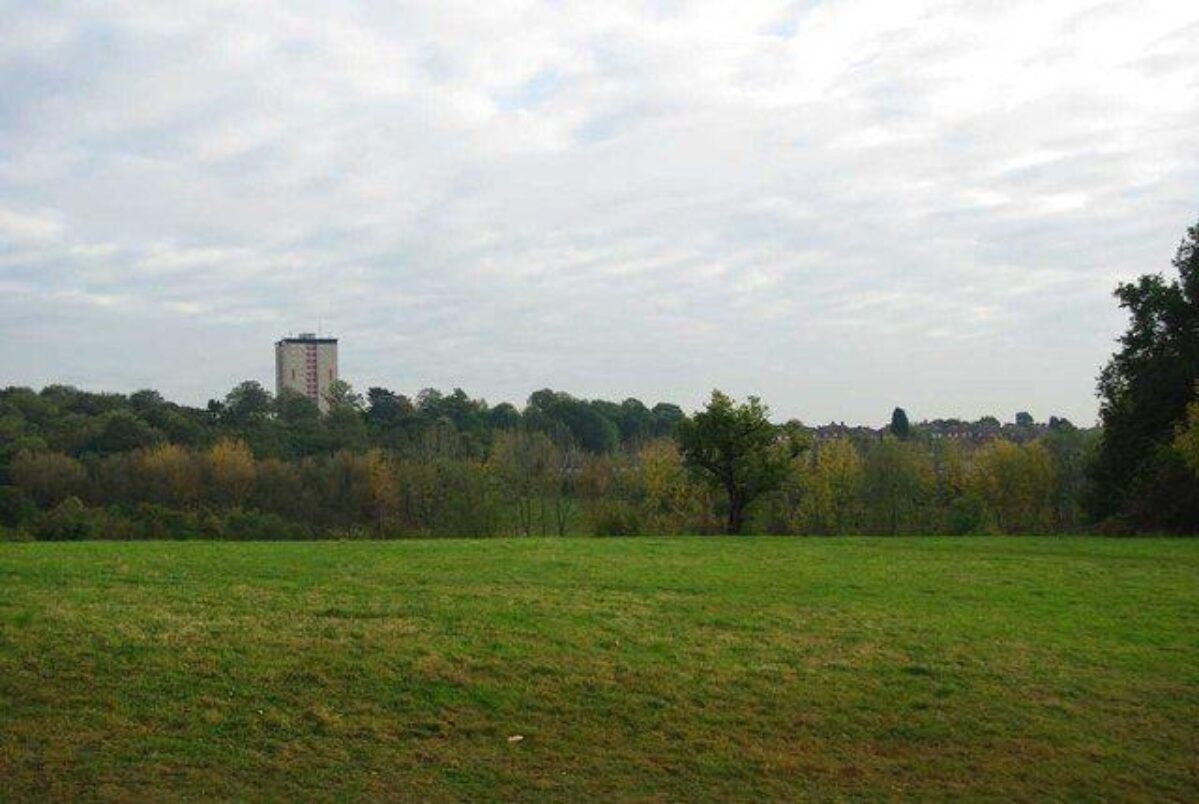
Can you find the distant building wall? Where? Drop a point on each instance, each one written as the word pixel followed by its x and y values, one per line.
pixel 307 365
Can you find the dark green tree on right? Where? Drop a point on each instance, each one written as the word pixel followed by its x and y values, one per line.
pixel 1138 475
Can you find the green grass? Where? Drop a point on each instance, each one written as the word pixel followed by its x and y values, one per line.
pixel 666 669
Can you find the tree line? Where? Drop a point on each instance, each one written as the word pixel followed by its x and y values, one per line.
pixel 78 465
pixel 75 464
pixel 83 424
pixel 528 484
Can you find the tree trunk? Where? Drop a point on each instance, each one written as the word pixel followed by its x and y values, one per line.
pixel 736 514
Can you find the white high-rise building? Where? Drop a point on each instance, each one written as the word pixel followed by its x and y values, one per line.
pixel 308 365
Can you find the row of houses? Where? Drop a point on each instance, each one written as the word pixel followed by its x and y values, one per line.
pixel 978 431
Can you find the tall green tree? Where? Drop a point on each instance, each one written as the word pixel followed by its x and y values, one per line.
pixel 119 431
pixel 1144 390
pixel 550 411
pixel 341 395
pixel 294 409
pixel 504 416
pixel 900 427
pixel 666 418
pixel 736 448
pixel 345 423
pixel 385 408
pixel 247 403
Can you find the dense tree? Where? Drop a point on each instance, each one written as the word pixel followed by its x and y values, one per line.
pixel 77 422
pixel 385 408
pixel 526 466
pixel 737 449
pixel 16 507
pixel 70 520
pixel 666 418
pixel 611 496
pixel 279 488
pixel 831 498
pixel 896 481
pixel 1017 483
pixel 17 436
pixel 671 503
pixel 636 422
pixel 141 467
pixel 232 472
pixel 554 411
pixel 342 396
pixel 1060 423
pixel 48 477
pixel 119 431
pixel 172 475
pixel 900 427
pixel 1144 390
pixel 504 416
pixel 146 401
pixel 248 402
pixel 178 425
pixel 1069 450
pixel 294 409
pixel 72 400
pixel 1186 441
pixel 29 406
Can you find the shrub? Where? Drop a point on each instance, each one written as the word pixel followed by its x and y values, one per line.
pixel 153 521
pixel 967 514
pixel 14 535
pixel 254 526
pixel 617 519
pixel 16 507
pixel 70 520
pixel 48 477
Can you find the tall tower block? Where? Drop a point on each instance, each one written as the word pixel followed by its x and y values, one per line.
pixel 307 365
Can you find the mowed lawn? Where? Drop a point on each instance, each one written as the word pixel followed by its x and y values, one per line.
pixel 664 669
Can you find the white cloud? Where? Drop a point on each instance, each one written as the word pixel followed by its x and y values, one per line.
pixel 23 228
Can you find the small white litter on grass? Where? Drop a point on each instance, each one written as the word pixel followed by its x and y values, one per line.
pixel 516 738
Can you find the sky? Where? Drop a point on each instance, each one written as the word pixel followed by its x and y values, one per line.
pixel 838 206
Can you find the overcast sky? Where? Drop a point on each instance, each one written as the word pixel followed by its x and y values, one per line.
pixel 840 206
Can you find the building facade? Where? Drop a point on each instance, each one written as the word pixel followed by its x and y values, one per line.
pixel 307 365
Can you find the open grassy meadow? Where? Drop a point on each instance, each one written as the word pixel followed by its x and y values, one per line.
pixel 664 669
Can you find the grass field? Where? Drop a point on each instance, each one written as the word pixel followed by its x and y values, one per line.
pixel 677 669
